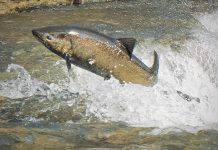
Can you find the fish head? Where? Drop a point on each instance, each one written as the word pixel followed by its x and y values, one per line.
pixel 54 39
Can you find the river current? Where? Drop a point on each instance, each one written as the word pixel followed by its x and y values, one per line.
pixel 37 91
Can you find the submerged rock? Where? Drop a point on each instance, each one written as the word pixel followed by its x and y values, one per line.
pixel 103 136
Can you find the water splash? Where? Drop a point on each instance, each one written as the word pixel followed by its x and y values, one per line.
pixel 161 105
pixel 193 72
pixel 209 21
pixel 22 86
pixel 25 86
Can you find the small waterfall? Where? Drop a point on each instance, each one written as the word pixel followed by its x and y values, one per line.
pixel 186 93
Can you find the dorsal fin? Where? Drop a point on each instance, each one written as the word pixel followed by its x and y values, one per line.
pixel 128 43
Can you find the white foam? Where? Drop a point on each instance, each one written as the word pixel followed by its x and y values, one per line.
pixel 73 33
pixel 160 105
pixel 209 21
pixel 194 72
pixel 22 86
pixel 25 86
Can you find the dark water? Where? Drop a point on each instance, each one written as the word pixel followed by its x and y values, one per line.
pixel 40 109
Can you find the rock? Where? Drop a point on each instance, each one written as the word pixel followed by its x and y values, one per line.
pixel 16 6
pixel 101 136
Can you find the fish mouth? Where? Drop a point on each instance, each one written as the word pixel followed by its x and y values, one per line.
pixel 38 35
pixel 34 32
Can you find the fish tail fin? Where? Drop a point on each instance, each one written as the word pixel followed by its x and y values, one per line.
pixel 155 66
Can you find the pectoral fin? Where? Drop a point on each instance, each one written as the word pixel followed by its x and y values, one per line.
pixel 107 77
pixel 68 63
pixel 129 44
pixel 155 65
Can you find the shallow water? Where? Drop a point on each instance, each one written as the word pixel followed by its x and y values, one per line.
pixel 40 102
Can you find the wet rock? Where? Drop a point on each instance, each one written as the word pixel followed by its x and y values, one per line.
pixel 7 140
pixel 11 6
pixel 70 109
pixel 95 136
pixel 172 147
pixel 89 1
pixel 16 6
pixel 66 113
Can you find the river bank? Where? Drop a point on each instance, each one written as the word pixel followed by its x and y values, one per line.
pixel 17 6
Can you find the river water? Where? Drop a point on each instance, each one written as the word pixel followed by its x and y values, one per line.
pixel 41 106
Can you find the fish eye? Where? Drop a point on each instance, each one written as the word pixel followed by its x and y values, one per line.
pixel 49 37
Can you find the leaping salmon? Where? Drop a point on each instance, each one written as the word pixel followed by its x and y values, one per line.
pixel 98 53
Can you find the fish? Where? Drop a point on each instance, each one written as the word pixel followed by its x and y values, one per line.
pixel 98 53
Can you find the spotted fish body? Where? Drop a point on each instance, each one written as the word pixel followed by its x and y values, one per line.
pixel 98 53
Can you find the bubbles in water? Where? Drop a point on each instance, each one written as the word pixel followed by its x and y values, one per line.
pixel 193 72
pixel 205 46
pixel 160 105
pixel 26 86
pixel 22 86
pixel 209 21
